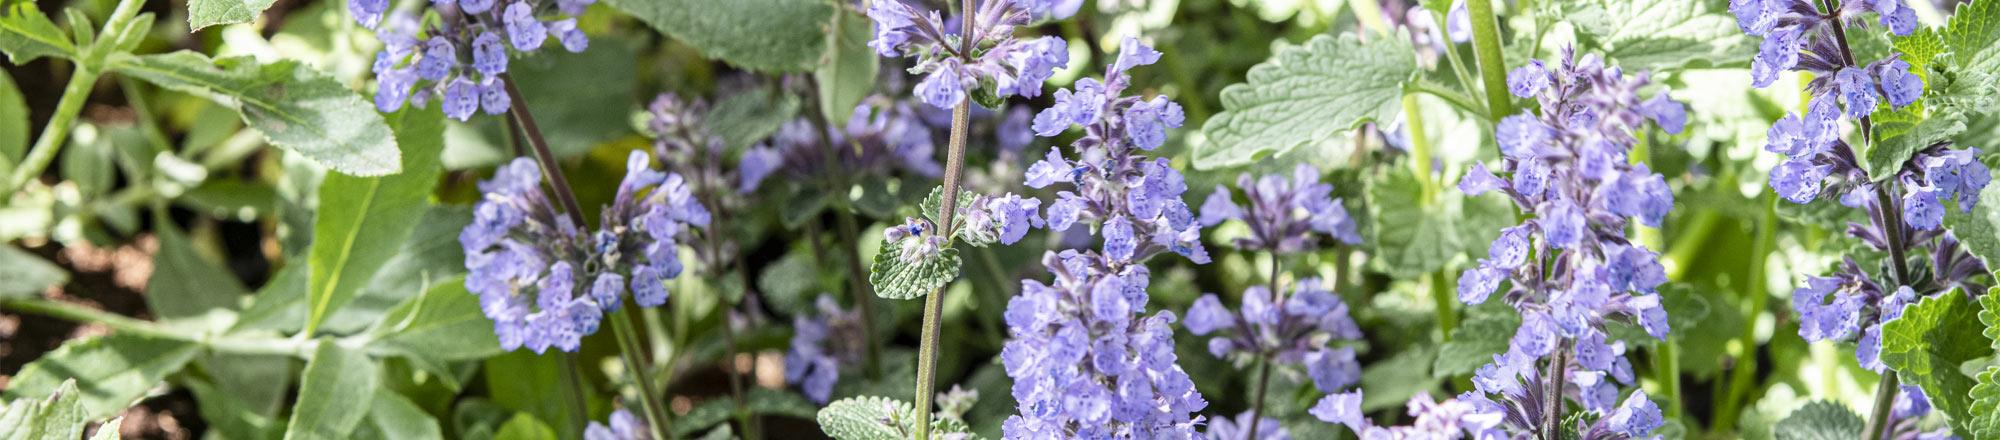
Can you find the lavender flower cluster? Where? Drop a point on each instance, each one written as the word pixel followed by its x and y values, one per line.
pixel 1289 330
pixel 682 139
pixel 423 54
pixel 624 426
pixel 543 282
pixel 1284 213
pixel 1136 199
pixel 1571 266
pixel 880 136
pixel 1472 415
pixel 997 62
pixel 820 345
pixel 1086 364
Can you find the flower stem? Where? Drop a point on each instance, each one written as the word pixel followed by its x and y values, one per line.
pixel 1552 416
pixel 954 169
pixel 579 414
pixel 1492 65
pixel 235 344
pixel 1257 406
pixel 628 346
pixel 1745 370
pixel 44 152
pixel 850 243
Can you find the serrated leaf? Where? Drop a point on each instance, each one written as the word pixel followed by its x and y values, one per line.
pixel 1820 420
pixel 749 117
pixel 205 13
pixel 790 284
pixel 877 418
pixel 1985 396
pixel 1412 238
pixel 1902 136
pixel 771 36
pixel 184 283
pixel 1974 35
pixel 895 279
pixel 846 72
pixel 444 324
pixel 24 274
pixel 113 371
pixel 1979 231
pixel 339 385
pixel 1657 35
pixel 1928 343
pixel 13 121
pixel 57 416
pixel 295 106
pixel 362 221
pixel 1306 95
pixel 1475 341
pixel 27 34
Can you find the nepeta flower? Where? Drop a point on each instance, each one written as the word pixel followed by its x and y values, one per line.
pixel 999 63
pixel 1087 364
pixel 1571 174
pixel 820 345
pixel 1468 416
pixel 1283 212
pixel 1300 328
pixel 1114 184
pixel 426 50
pixel 881 136
pixel 624 426
pixel 681 136
pixel 543 282
pixel 1004 219
pixel 1238 428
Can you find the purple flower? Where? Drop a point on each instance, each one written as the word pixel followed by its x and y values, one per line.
pixel 624 426
pixel 1013 66
pixel 461 99
pixel 422 60
pixel 1468 416
pixel 1284 212
pixel 944 88
pixel 1239 427
pixel 1296 329
pixel 1898 84
pixel 820 345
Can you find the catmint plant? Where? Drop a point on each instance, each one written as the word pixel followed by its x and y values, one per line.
pixel 546 283
pixel 997 63
pixel 1085 359
pixel 425 53
pixel 1906 208
pixel 623 426
pixel 1570 267
pixel 822 344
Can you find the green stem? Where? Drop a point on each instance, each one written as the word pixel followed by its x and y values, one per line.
pixel 1264 359
pixel 1885 398
pixel 1745 370
pixel 1420 149
pixel 579 414
pixel 629 350
pixel 235 344
pixel 954 169
pixel 44 152
pixel 1446 300
pixel 1492 65
pixel 850 246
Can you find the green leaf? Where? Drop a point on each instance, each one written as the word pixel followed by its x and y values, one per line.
pixel 431 253
pixel 1902 135
pixel 109 430
pixel 294 105
pixel 363 220
pixel 771 36
pixel 1820 420
pixel 895 279
pixel 791 284
pixel 185 284
pixel 27 34
pixel 1412 238
pixel 1474 342
pixel 396 417
pixel 337 390
pixel 205 13
pixel 846 72
pixel 1391 382
pixel 878 418
pixel 1305 96
pixel 525 427
pixel 113 370
pixel 444 324
pixel 13 121
pixel 59 416
pixel 24 274
pixel 534 385
pixel 1974 35
pixel 1928 343
pixel 749 117
pixel 1979 231
pixel 1985 397
pixel 1657 35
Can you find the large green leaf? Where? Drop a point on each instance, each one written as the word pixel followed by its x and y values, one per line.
pixel 1979 231
pixel 1820 420
pixel 1974 35
pixel 205 13
pixel 525 427
pixel 1903 134
pixel 13 121
pixel 1412 238
pixel 1927 345
pixel 24 274
pixel 113 371
pixel 294 105
pixel 431 253
pixel 1985 396
pixel 846 72
pixel 337 390
pixel 1659 35
pixel 184 283
pixel 396 417
pixel 444 324
pixel 1306 95
pixel 1391 382
pixel 747 118
pixel 879 418
pixel 58 416
pixel 774 36
pixel 894 278
pixel 362 221
pixel 27 34
pixel 1485 333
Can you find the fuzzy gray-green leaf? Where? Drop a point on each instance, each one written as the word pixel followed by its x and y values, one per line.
pixel 295 106
pixel 1306 95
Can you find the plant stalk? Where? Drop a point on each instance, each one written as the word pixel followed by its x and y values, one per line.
pixel 849 232
pixel 579 414
pixel 57 131
pixel 1264 359
pixel 628 351
pixel 1492 64
pixel 954 169
pixel 1745 370
pixel 1552 416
